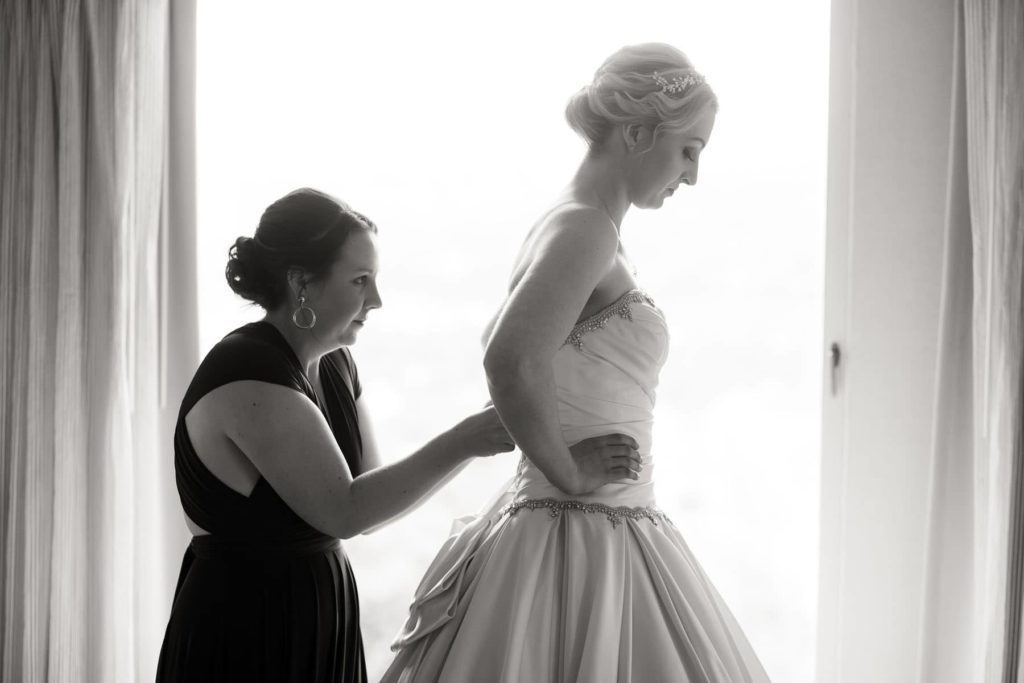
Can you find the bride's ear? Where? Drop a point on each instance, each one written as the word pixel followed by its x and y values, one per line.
pixel 636 136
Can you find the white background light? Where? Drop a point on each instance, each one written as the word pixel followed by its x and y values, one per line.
pixel 443 122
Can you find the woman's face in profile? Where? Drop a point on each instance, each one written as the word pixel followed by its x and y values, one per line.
pixel 671 161
pixel 349 292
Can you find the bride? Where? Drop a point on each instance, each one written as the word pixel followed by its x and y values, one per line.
pixel 562 578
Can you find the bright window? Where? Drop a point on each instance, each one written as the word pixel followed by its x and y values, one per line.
pixel 443 122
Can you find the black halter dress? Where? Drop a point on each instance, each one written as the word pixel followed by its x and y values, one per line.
pixel 264 597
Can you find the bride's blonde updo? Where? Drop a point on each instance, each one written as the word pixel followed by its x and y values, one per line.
pixel 653 84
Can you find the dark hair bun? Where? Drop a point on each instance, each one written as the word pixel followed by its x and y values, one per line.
pixel 251 276
pixel 305 229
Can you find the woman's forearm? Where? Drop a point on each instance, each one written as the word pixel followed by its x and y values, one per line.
pixel 391 490
pixel 524 394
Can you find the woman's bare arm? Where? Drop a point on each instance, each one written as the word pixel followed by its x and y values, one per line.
pixel 288 440
pixel 569 259
pixel 372 462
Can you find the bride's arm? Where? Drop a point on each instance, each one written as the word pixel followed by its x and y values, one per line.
pixel 569 260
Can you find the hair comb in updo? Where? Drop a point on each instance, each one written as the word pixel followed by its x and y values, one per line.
pixel 678 84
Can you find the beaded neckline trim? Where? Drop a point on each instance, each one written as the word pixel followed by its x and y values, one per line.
pixel 622 307
pixel 615 514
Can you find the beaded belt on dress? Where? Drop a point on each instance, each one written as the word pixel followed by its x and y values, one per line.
pixel 212 546
pixel 615 515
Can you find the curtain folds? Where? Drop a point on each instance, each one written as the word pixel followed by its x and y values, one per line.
pixel 971 626
pixel 947 624
pixel 923 547
pixel 994 42
pixel 972 621
pixel 97 307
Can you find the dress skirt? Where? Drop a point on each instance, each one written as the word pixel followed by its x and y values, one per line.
pixel 260 613
pixel 565 591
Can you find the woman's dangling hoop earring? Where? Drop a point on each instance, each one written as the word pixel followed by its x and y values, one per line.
pixel 303 317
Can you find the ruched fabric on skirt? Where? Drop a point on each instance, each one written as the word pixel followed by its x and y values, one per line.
pixel 568 592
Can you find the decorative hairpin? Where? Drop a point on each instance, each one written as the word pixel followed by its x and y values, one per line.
pixel 678 83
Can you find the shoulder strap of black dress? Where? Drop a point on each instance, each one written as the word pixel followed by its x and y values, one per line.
pixel 256 351
pixel 347 369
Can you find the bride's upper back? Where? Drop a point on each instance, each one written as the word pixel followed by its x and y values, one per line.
pixel 617 279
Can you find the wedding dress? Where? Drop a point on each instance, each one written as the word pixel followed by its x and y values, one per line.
pixel 546 587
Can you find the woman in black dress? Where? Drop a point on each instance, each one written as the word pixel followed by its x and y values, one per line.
pixel 275 461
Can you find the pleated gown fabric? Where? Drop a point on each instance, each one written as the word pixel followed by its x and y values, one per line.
pixel 551 588
pixel 264 597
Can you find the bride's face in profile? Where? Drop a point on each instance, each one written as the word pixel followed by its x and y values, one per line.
pixel 673 160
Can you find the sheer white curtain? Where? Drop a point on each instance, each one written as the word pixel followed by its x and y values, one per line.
pixel 97 312
pixel 922 555
pixel 994 58
pixel 972 621
pixel 946 624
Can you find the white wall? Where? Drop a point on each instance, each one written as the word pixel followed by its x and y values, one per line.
pixel 892 74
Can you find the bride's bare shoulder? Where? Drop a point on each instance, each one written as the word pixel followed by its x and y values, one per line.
pixel 571 223
pixel 571 227
pixel 576 217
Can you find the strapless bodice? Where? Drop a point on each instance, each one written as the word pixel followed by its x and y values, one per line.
pixel 606 374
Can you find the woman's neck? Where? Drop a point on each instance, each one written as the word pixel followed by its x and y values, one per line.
pixel 304 344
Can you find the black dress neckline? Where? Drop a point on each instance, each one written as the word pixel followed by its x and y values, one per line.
pixel 324 361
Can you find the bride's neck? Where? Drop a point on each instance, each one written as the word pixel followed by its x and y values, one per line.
pixel 599 181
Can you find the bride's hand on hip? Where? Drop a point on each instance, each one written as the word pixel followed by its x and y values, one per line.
pixel 606 458
pixel 482 434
